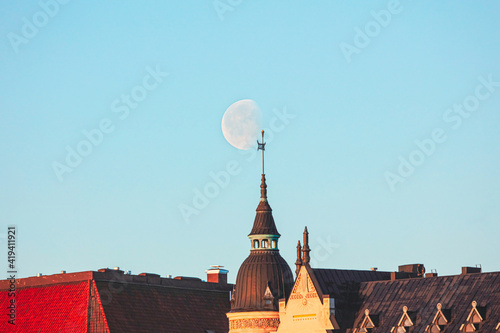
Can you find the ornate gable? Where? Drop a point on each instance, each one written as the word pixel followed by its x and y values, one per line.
pixel 307 309
pixel 304 287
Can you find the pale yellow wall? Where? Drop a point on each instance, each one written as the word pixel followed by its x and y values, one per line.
pixel 305 312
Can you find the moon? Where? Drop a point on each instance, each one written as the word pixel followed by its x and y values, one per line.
pixel 241 124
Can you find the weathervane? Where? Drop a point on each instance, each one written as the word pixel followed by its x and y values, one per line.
pixel 262 146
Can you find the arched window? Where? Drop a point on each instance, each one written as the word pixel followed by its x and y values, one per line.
pixel 274 244
pixel 255 244
pixel 264 244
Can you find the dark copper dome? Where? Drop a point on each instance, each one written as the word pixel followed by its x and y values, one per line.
pixel 264 277
pixel 260 269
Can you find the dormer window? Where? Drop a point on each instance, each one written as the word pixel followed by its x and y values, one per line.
pixel 406 322
pixel 440 320
pixel 475 319
pixel 268 299
pixel 367 324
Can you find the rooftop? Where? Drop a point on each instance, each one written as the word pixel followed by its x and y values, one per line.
pixel 108 300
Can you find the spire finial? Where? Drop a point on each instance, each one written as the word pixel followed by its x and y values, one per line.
pixel 305 248
pixel 263 185
pixel 262 146
pixel 298 263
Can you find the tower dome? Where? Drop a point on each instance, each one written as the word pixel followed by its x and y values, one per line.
pixel 264 277
pixel 260 274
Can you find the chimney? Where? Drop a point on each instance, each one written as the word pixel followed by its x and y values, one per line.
pixel 216 274
pixel 433 273
pixel 413 270
pixel 409 272
pixel 471 270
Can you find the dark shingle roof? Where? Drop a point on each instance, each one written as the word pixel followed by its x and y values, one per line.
pixel 343 286
pixel 456 293
pixel 155 308
pixel 331 281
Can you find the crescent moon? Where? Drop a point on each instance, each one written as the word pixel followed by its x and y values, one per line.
pixel 241 124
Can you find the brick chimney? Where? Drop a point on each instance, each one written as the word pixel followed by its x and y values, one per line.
pixel 216 274
pixel 471 270
pixel 413 270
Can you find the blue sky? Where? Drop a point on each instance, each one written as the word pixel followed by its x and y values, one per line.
pixel 341 158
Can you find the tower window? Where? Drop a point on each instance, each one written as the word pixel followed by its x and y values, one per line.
pixel 274 244
pixel 264 244
pixel 256 244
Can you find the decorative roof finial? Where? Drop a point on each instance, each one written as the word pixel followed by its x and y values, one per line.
pixel 305 248
pixel 298 262
pixel 262 146
pixel 263 185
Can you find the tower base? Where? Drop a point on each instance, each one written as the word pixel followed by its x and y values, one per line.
pixel 253 322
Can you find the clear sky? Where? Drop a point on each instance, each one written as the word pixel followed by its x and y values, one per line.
pixel 383 123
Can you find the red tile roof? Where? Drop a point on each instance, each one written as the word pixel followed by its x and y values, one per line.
pixel 52 308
